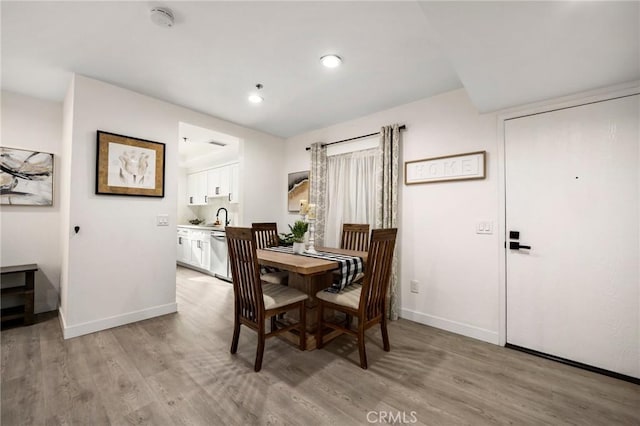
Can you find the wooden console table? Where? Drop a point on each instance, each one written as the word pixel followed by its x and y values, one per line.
pixel 25 309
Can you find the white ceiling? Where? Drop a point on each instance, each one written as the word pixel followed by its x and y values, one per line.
pixel 505 54
pixel 196 142
pixel 511 53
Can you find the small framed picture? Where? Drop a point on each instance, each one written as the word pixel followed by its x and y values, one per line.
pixel 298 189
pixel 129 166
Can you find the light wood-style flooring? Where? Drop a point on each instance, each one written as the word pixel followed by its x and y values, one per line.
pixel 177 370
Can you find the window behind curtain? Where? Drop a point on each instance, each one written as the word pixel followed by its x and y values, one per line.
pixel 351 194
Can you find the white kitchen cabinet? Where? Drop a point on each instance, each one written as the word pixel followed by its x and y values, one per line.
pixel 183 251
pixel 197 188
pixel 194 248
pixel 213 182
pixel 225 180
pixel 200 253
pixel 219 181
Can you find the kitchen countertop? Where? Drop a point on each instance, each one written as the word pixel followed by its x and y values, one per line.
pixel 203 227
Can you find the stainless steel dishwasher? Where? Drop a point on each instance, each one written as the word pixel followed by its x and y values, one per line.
pixel 220 256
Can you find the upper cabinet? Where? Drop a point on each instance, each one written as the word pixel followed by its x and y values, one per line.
pixel 197 188
pixel 219 182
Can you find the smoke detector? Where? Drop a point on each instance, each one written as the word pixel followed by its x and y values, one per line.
pixel 162 17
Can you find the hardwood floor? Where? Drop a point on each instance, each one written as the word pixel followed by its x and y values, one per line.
pixel 177 369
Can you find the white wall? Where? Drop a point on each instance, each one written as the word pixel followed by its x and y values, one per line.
pixel 31 234
pixel 184 213
pixel 121 266
pixel 65 191
pixel 263 190
pixel 457 269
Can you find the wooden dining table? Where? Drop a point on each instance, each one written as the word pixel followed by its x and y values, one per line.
pixel 309 275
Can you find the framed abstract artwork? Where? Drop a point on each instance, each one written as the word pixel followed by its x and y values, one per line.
pixel 297 189
pixel 129 166
pixel 26 177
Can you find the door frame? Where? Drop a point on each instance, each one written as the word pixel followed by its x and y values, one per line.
pixel 575 100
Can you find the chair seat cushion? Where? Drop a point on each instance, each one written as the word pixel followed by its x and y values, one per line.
pixel 276 296
pixel 280 277
pixel 349 297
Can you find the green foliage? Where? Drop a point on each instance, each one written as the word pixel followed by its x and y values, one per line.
pixel 298 230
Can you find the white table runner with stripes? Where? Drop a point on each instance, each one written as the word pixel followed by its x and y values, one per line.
pixel 349 266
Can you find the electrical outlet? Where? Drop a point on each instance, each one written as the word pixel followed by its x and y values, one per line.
pixel 414 286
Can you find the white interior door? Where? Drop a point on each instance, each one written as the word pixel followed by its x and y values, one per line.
pixel 572 191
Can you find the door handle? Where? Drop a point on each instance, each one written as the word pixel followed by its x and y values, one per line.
pixel 514 245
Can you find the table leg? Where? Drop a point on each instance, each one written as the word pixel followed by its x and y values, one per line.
pixel 310 285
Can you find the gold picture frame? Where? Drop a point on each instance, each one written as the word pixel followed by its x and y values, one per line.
pixel 129 166
pixel 467 166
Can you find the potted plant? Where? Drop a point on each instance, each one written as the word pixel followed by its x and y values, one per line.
pixel 298 230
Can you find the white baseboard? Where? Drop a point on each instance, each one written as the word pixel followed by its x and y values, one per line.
pixel 115 321
pixel 452 326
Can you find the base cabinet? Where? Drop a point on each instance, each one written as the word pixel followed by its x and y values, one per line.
pixel 194 248
pixel 200 253
pixel 183 251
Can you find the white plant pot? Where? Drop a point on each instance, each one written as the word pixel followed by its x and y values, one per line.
pixel 298 248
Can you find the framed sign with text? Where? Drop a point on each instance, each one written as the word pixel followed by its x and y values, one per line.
pixel 466 166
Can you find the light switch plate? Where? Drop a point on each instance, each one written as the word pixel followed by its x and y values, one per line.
pixel 162 220
pixel 485 227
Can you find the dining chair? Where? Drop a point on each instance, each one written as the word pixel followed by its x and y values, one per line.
pixel 365 301
pixel 355 236
pixel 255 301
pixel 267 236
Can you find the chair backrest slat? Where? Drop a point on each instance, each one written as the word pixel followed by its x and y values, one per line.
pixel 245 273
pixel 355 236
pixel 378 272
pixel 266 234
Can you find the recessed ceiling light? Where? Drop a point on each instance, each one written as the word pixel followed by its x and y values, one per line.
pixel 331 61
pixel 254 97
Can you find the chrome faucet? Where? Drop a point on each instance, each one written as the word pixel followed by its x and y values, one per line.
pixel 226 215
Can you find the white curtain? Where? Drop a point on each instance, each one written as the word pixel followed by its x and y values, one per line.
pixel 351 192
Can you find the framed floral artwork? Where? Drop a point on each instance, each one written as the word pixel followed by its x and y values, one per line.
pixel 129 166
